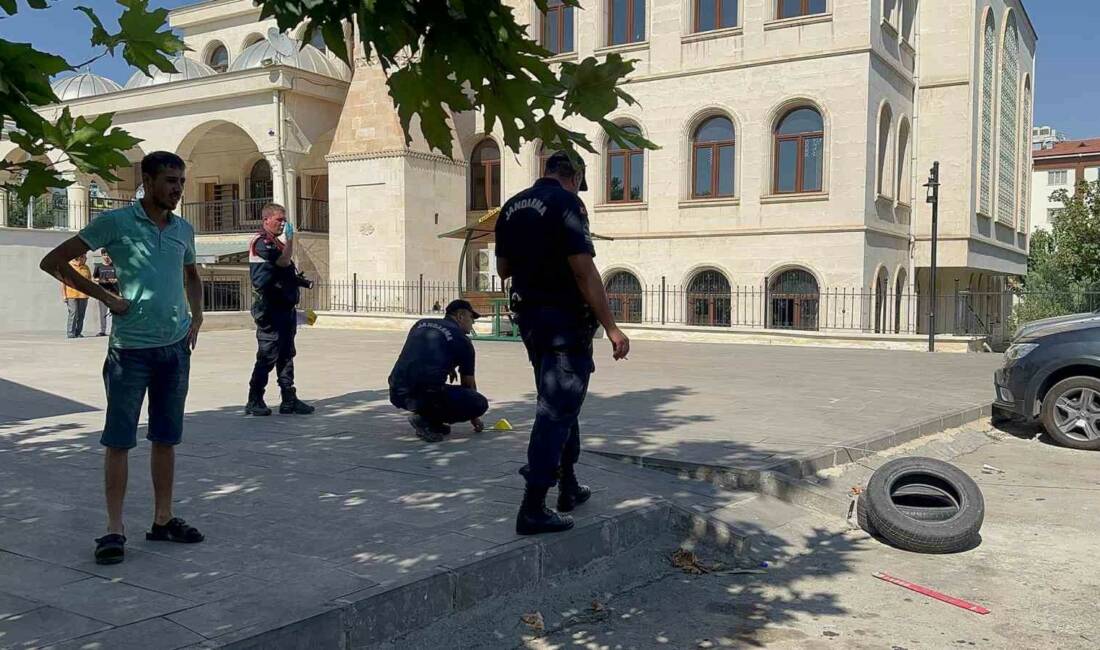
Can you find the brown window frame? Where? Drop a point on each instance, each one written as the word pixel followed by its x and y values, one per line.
pixel 629 24
pixel 487 189
pixel 715 147
pixel 805 10
pixel 628 168
pixel 557 12
pixel 800 170
pixel 717 17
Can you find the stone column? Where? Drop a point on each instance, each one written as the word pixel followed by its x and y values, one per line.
pixel 290 174
pixel 284 182
pixel 78 205
pixel 3 207
pixel 278 194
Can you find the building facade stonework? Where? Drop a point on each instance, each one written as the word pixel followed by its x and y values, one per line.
pixel 794 137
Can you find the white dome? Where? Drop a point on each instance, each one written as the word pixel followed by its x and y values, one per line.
pixel 305 57
pixel 84 84
pixel 186 69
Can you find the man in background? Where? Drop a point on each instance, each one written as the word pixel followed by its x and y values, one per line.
pixel 276 289
pixel 105 276
pixel 76 301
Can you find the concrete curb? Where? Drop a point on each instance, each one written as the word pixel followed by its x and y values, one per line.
pixel 786 480
pixel 382 612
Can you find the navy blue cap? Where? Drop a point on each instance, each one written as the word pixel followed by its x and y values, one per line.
pixel 457 305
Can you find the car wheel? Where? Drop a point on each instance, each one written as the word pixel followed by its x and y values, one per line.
pixel 1071 413
pixel 950 506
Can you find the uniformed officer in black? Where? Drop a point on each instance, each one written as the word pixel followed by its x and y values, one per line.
pixel 544 245
pixel 275 293
pixel 436 351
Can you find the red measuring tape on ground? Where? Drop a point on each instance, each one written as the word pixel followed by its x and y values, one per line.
pixel 932 593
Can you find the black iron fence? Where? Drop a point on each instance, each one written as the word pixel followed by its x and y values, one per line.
pixel 49 211
pixel 234 293
pixel 993 315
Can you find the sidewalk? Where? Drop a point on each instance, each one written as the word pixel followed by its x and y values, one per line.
pixel 308 517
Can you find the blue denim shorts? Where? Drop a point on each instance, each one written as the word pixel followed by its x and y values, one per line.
pixel 127 375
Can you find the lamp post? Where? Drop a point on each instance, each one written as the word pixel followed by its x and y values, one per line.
pixel 933 186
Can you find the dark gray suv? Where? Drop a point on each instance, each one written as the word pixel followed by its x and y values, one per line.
pixel 1052 373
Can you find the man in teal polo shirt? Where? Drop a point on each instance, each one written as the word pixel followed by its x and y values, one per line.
pixel 157 317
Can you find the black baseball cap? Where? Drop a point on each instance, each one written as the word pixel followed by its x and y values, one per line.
pixel 457 305
pixel 559 157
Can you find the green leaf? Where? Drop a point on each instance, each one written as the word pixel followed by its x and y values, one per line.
pixel 145 45
pixel 9 7
pixel 100 35
pixel 448 57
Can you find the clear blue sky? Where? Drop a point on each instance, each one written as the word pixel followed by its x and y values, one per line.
pixel 1067 80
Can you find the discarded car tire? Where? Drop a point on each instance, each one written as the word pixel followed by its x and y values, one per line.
pixel 920 513
pixel 946 490
pixel 1069 413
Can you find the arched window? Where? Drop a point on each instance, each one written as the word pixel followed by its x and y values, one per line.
pixel 902 304
pixel 795 8
pixel 1008 151
pixel 624 295
pixel 219 58
pixel 799 152
pixel 905 184
pixel 793 300
pixel 713 157
pixel 259 180
pixel 715 14
pixel 882 287
pixel 626 21
pixel 885 168
pixel 908 16
pixel 557 27
pixel 989 62
pixel 1025 157
pixel 625 171
pixel 890 12
pixel 251 39
pixel 485 176
pixel 708 299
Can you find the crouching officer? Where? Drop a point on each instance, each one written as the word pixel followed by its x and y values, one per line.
pixel 544 246
pixel 275 291
pixel 434 349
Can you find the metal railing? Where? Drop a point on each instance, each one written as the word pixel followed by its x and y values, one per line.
pixel 48 211
pixel 993 315
pixel 312 215
pixel 421 297
pixel 224 217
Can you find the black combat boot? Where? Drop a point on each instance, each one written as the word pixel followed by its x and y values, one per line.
pixel 292 405
pixel 571 493
pixel 534 517
pixel 256 405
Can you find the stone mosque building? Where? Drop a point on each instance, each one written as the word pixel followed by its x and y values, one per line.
pixel 795 137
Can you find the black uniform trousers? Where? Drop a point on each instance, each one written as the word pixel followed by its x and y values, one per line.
pixel 441 404
pixel 275 332
pixel 559 345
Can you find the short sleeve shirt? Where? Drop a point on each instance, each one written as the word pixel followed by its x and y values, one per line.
pixel 433 348
pixel 149 264
pixel 537 231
